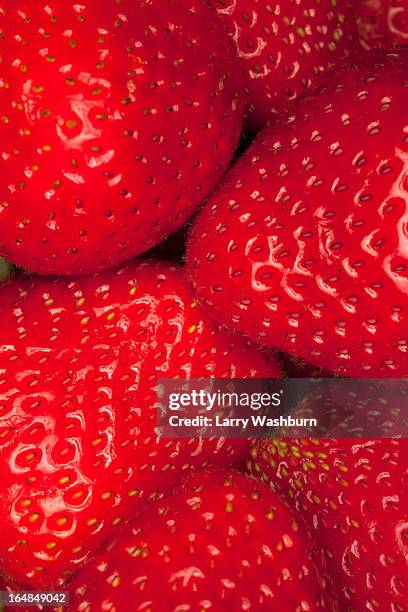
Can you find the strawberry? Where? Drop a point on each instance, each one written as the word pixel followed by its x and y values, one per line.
pixel 304 246
pixel 78 449
pixel 361 408
pixel 283 48
pixel 223 541
pixel 382 23
pixel 117 117
pixel 354 494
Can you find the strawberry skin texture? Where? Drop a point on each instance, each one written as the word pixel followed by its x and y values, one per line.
pixel 79 361
pixel 355 495
pixel 304 245
pixel 382 23
pixel 284 48
pixel 362 409
pixel 117 118
pixel 223 540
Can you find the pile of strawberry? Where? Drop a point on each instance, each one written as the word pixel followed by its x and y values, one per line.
pixel 119 121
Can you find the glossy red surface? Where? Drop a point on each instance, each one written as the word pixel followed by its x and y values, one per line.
pixel 382 23
pixel 354 495
pixel 285 47
pixel 117 118
pixel 304 246
pixel 79 456
pixel 222 542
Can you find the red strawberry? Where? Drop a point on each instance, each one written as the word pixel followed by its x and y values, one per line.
pixel 78 450
pixel 364 408
pixel 382 23
pixel 305 245
pixel 222 542
pixel 355 496
pixel 117 117
pixel 283 48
